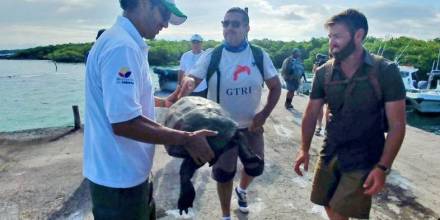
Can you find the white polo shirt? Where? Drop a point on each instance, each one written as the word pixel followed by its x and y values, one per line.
pixel 240 82
pixel 187 61
pixel 117 88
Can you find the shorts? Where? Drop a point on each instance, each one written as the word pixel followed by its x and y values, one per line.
pixel 225 167
pixel 292 85
pixel 202 94
pixel 123 203
pixel 341 191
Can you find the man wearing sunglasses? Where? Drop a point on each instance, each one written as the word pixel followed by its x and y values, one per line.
pixel 237 86
pixel 120 129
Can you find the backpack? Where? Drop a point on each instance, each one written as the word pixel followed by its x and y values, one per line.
pixel 372 77
pixel 213 67
pixel 292 69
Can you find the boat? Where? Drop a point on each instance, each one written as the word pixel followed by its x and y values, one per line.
pixel 426 97
pixel 167 78
pixel 408 74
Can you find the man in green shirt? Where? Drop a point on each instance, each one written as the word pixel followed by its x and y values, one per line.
pixel 362 91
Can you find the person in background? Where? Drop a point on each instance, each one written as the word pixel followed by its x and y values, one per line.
pixel 188 60
pixel 320 59
pixel 292 71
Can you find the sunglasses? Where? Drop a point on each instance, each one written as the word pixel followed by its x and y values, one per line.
pixel 164 13
pixel 234 24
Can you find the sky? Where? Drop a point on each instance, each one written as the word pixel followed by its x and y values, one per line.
pixel 29 23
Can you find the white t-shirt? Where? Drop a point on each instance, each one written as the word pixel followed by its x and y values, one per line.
pixel 240 82
pixel 117 88
pixel 187 61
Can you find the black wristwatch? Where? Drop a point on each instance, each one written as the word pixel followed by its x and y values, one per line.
pixel 385 169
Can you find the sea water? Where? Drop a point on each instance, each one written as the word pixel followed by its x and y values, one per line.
pixel 40 94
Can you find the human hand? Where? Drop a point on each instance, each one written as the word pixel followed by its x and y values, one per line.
pixel 258 121
pixel 198 147
pixel 187 86
pixel 374 182
pixel 302 157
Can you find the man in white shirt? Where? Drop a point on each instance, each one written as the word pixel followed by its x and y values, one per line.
pixel 120 129
pixel 237 86
pixel 188 60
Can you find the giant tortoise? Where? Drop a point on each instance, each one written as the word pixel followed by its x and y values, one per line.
pixel 195 113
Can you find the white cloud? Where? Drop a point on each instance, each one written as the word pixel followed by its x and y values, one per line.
pixel 62 21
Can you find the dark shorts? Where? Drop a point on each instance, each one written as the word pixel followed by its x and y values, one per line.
pixel 133 203
pixel 202 94
pixel 341 191
pixel 225 167
pixel 292 85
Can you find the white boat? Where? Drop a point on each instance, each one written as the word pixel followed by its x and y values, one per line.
pixel 425 99
pixel 408 74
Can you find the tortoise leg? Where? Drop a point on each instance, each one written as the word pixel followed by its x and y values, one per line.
pixel 187 191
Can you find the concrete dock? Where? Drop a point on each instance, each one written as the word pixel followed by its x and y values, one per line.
pixel 41 177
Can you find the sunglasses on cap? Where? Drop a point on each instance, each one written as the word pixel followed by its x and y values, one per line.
pixel 234 24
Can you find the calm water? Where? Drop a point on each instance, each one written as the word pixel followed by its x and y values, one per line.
pixel 35 95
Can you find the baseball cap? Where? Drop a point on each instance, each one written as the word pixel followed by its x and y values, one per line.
pixel 177 16
pixel 196 37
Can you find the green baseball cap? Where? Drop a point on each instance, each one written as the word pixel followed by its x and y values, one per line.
pixel 177 16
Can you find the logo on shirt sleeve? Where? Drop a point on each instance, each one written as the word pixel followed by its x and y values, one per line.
pixel 124 76
pixel 124 72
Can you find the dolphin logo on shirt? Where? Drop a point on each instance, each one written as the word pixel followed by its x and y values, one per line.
pixel 241 69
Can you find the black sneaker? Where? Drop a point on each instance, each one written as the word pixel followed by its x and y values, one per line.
pixel 288 106
pixel 242 201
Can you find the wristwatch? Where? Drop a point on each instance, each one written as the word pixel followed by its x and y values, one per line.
pixel 385 169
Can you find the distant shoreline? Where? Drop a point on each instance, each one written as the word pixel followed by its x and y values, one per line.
pixel 30 59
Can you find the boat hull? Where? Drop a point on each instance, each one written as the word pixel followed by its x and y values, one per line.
pixel 425 102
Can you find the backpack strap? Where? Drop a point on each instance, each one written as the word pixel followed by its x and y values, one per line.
pixel 213 67
pixel 257 52
pixel 328 74
pixel 215 61
pixel 373 77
